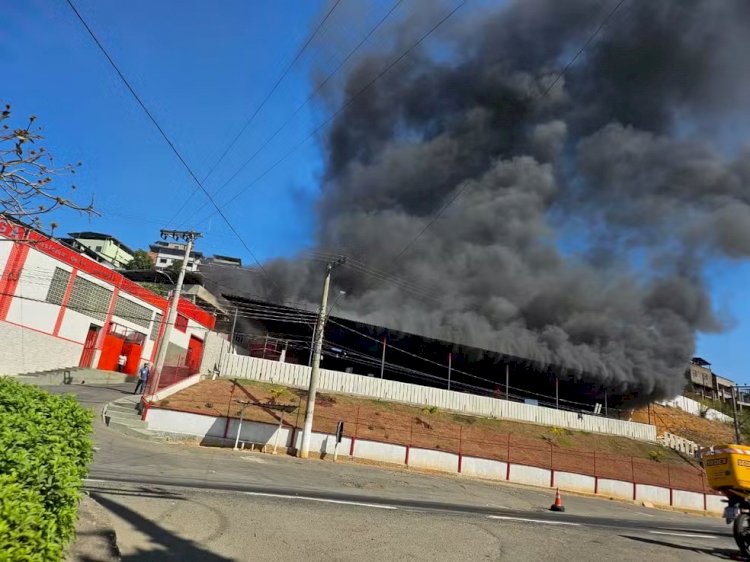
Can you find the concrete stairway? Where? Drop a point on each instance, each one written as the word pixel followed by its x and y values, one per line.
pixel 123 415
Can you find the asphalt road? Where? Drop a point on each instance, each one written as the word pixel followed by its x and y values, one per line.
pixel 185 502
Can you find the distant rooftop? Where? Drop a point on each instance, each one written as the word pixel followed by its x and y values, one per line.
pixel 226 259
pixel 700 361
pixel 88 235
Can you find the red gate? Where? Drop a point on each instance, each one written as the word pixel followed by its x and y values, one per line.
pixel 89 346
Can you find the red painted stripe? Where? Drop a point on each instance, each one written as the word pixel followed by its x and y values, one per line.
pixel 108 320
pixel 11 276
pixel 64 304
pixel 77 261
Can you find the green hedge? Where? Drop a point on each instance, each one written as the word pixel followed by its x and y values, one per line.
pixel 45 450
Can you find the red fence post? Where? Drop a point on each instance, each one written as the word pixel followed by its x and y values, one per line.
pixel 408 445
pixel 669 483
pixel 596 476
pixel 551 468
pixel 460 457
pixel 354 437
pixel 632 473
pixel 507 458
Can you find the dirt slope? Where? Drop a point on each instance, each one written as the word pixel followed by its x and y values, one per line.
pixel 418 427
pixel 703 431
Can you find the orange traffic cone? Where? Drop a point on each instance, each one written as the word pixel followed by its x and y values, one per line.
pixel 558 505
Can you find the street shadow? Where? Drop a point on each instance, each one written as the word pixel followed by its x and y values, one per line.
pixel 720 553
pixel 141 492
pixel 169 546
pixel 253 398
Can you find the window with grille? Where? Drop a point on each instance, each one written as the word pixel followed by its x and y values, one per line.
pixel 156 326
pixel 132 311
pixel 90 299
pixel 56 292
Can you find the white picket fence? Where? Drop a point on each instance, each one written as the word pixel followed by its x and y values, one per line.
pixel 679 443
pixel 243 367
pixel 695 408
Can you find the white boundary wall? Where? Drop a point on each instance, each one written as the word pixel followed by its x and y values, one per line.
pixel 202 426
pixel 244 367
pixel 692 407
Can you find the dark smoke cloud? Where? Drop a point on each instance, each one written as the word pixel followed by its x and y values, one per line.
pixel 587 216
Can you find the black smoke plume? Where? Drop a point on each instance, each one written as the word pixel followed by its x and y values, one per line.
pixel 586 211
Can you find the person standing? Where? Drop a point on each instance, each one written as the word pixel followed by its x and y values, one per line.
pixel 121 360
pixel 142 379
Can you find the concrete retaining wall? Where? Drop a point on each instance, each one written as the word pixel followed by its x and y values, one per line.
pixel 174 422
pixel 575 482
pixel 530 475
pixel 237 366
pixel 654 494
pixel 615 488
pixel 484 468
pixel 433 460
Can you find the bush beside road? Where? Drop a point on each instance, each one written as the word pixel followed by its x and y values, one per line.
pixel 45 451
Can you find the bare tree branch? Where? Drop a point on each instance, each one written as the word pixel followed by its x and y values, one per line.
pixel 27 171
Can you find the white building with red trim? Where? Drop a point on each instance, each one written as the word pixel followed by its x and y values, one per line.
pixel 61 309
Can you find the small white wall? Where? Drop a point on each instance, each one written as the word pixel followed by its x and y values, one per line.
pixel 255 432
pixel 616 488
pixel 434 460
pixel 687 500
pixel 715 504
pixel 655 494
pixel 529 475
pixel 176 387
pixel 382 452
pixel 575 482
pixel 171 421
pixel 20 351
pixel 484 468
pixel 323 443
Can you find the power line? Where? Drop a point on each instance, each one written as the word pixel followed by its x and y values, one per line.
pixel 163 133
pixel 252 116
pixel 345 105
pixel 303 104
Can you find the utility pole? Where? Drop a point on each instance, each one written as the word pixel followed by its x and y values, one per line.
pixel 161 353
pixel 557 392
pixel 450 368
pixel 231 336
pixel 312 391
pixel 382 360
pixel 737 433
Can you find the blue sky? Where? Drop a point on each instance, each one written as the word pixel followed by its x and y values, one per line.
pixel 202 71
